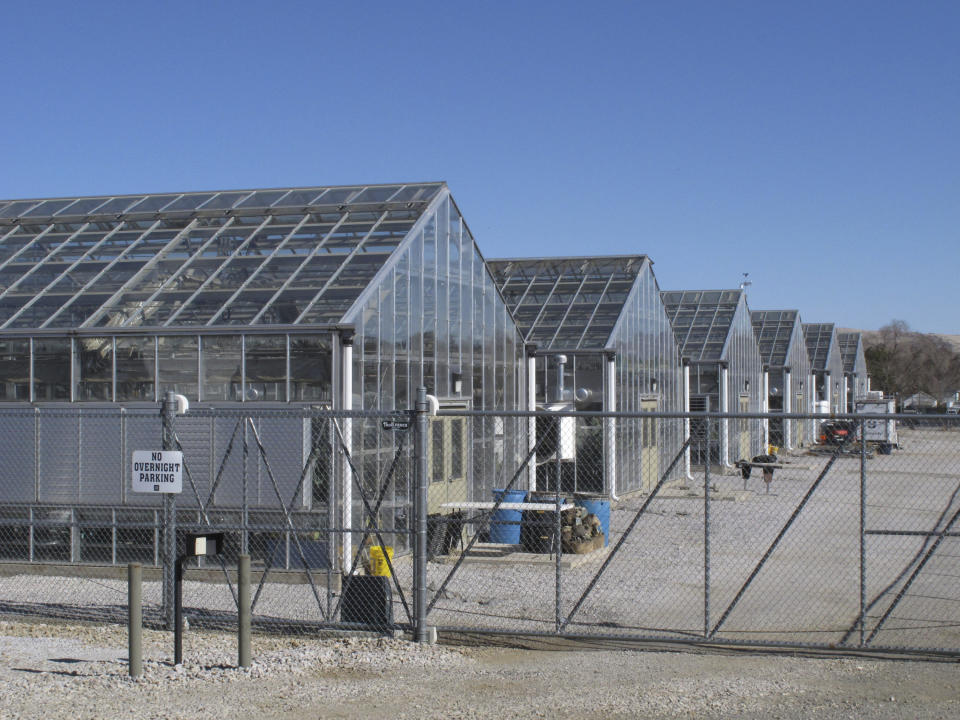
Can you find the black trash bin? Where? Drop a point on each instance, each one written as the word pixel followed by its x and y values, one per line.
pixel 444 532
pixel 538 532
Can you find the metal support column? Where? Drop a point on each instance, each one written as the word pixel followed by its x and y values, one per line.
pixel 169 414
pixel 724 408
pixel 765 406
pixel 532 421
pixel 787 405
pixel 346 479
pixel 420 510
pixel 609 426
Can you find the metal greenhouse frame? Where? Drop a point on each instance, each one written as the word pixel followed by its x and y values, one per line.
pixel 343 297
pixel 718 346
pixel 854 368
pixel 599 340
pixel 784 354
pixel 827 364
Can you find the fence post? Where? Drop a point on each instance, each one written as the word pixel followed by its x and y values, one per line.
pixel 706 534
pixel 135 619
pixel 243 611
pixel 557 532
pixel 863 519
pixel 169 414
pixel 420 513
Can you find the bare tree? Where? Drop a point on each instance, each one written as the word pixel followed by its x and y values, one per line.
pixel 905 362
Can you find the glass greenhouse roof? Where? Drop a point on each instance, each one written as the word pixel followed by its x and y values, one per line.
pixel 773 329
pixel 818 336
pixel 567 303
pixel 701 320
pixel 286 256
pixel 848 344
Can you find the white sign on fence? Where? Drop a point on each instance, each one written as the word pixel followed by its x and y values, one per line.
pixel 157 471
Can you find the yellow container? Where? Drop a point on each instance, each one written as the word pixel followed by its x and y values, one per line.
pixel 773 450
pixel 378 562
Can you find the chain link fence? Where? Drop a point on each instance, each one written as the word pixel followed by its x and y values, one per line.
pixel 391 521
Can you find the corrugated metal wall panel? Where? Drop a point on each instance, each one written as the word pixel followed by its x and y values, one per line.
pixel 195 435
pixel 19 466
pixel 59 454
pixel 101 473
pixel 142 431
pixel 283 443
pixel 230 490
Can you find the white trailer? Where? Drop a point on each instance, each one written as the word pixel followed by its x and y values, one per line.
pixel 879 431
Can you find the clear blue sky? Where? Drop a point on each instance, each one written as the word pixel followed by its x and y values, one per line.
pixel 814 145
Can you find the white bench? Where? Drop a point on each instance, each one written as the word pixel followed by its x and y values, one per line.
pixel 489 505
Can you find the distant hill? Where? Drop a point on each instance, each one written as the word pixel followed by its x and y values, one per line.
pixel 953 340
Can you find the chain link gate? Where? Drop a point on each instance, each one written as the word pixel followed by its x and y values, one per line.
pixel 843 544
pixel 851 544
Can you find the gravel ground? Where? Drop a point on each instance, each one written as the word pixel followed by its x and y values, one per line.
pixel 70 671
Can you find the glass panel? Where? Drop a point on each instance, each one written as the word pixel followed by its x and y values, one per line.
pixel 14 370
pixel 220 360
pixel 310 368
pixel 51 369
pixel 177 357
pixel 152 203
pixel 299 198
pixel 13 244
pixel 136 367
pixel 118 205
pixel 95 369
pixel 263 198
pixel 17 209
pixel 224 201
pixel 429 306
pixel 266 368
pixel 47 208
pixel 336 196
pixel 36 314
pixel 83 206
pixel 189 202
pixel 376 194
pixel 416 193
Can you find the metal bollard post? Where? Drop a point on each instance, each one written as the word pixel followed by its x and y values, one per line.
pixel 243 598
pixel 135 619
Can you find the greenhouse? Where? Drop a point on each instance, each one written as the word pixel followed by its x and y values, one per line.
pixel 826 362
pixel 602 342
pixel 854 368
pixel 715 334
pixel 784 354
pixel 345 298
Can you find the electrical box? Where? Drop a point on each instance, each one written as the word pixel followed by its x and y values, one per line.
pixel 203 544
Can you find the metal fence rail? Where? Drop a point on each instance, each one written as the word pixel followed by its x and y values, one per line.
pixel 492 527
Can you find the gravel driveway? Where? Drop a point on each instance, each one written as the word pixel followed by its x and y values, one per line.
pixel 71 671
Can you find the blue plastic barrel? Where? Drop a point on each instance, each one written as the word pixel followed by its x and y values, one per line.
pixel 600 508
pixel 505 524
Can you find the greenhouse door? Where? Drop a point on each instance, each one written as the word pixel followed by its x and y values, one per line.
pixel 446 463
pixel 744 428
pixel 798 425
pixel 649 453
